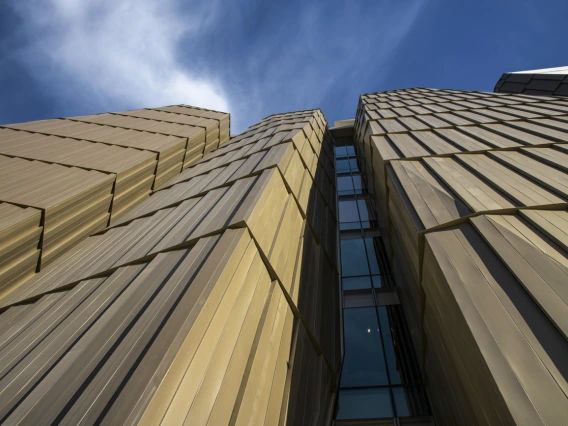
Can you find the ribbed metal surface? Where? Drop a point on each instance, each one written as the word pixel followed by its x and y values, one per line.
pixel 546 82
pixel 472 192
pixel 82 172
pixel 20 234
pixel 215 301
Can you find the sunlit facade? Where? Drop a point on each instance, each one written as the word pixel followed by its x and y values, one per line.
pixel 406 267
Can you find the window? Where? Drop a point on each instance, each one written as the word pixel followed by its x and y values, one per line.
pixel 364 403
pixel 345 159
pixel 340 152
pixel 363 213
pixel 372 254
pixel 348 212
pixel 390 355
pixel 356 283
pixel 371 378
pixel 354 214
pixel 345 185
pixel 353 166
pixel 357 184
pixel 359 263
pixel 400 401
pixel 380 377
pixel 342 166
pixel 349 185
pixel 359 283
pixel 353 258
pixel 410 401
pixel 344 151
pixel 364 363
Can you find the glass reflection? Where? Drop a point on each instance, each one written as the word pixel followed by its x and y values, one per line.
pixel 364 363
pixel 348 211
pixel 372 254
pixel 357 184
pixel 374 381
pixel 345 185
pixel 377 281
pixel 356 283
pixel 400 401
pixel 364 403
pixel 392 364
pixel 340 151
pixel 342 166
pixel 353 166
pixel 353 258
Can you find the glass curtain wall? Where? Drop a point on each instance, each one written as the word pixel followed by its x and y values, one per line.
pixel 380 378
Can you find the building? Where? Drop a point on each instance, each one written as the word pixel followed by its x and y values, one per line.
pixel 407 267
pixel 471 196
pixel 544 82
pixel 190 306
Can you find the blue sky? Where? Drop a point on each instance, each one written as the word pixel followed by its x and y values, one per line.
pixel 254 58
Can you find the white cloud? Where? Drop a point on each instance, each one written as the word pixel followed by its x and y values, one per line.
pixel 324 50
pixel 111 55
pixel 118 54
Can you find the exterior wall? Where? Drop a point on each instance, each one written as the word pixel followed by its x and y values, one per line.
pixel 76 175
pixel 543 82
pixel 471 191
pixel 213 302
pixel 192 278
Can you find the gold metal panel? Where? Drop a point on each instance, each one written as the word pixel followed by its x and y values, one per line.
pixel 186 310
pixel 474 219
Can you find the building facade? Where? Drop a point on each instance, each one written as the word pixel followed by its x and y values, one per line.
pixel 213 301
pixel 471 196
pixel 543 82
pixel 407 267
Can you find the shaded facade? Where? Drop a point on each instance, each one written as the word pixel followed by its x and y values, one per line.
pixel 544 82
pixel 408 267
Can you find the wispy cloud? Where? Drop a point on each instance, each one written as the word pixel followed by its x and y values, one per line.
pixel 325 49
pixel 115 54
pixel 248 57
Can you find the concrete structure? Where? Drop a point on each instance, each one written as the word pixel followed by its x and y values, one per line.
pixel 407 267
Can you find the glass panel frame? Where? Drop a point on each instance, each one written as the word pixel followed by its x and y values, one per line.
pixel 340 152
pixel 353 258
pixel 364 363
pixel 348 211
pixel 365 403
pixel 356 283
pixel 380 379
